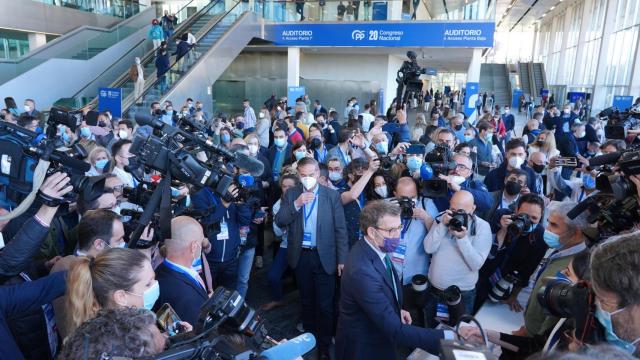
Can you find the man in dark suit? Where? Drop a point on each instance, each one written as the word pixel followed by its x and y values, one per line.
pixel 317 248
pixel 371 322
pixel 180 284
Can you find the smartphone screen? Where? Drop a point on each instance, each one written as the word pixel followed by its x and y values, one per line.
pixel 168 320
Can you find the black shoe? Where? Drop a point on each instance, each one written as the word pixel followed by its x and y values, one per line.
pixel 323 355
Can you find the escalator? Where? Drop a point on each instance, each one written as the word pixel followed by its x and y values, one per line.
pixel 525 82
pixel 539 78
pixel 219 41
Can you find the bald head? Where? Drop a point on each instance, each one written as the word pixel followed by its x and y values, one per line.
pixel 184 231
pixel 462 200
pixel 538 158
pixel 406 187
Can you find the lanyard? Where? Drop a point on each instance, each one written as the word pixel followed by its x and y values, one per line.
pixel 344 159
pixel 308 215
pixel 405 227
pixel 322 155
pixel 188 275
pixel 581 195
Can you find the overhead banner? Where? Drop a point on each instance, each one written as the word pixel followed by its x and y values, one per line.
pixel 424 34
pixel 622 103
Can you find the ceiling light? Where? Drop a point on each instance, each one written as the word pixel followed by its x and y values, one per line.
pixel 553 7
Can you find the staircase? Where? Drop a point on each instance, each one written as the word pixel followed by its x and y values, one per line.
pixel 494 78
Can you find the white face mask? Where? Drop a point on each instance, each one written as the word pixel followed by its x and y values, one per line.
pixel 308 182
pixel 261 115
pixel 382 191
pixel 516 161
pixel 123 134
pixel 27 108
pixel 253 149
pixel 457 179
pixel 566 111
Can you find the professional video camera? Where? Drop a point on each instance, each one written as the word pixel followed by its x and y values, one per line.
pixel 615 207
pixel 619 122
pixel 437 162
pixel 229 329
pixel 22 149
pixel 572 301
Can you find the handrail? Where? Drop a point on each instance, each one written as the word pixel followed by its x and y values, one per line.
pixel 127 106
pixel 110 66
pixel 71 33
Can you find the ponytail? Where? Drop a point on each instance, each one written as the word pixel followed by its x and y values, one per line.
pixel 81 301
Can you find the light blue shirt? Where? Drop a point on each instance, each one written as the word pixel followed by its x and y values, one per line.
pixel 311 223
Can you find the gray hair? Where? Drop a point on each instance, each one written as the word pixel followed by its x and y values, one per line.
pixel 376 210
pixel 563 208
pixel 615 267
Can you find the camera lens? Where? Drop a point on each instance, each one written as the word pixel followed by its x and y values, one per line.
pixel 561 298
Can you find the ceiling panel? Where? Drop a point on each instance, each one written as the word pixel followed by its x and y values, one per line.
pixel 524 13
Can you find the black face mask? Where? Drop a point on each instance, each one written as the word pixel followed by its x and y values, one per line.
pixel 459 127
pixel 101 123
pixel 157 111
pixel 537 168
pixel 316 143
pixel 512 188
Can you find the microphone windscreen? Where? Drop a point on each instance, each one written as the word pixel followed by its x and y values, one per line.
pixel 291 349
pixel 605 159
pixel 146 119
pixel 251 164
pixel 78 165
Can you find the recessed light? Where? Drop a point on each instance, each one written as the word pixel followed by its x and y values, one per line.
pixel 553 7
pixel 543 15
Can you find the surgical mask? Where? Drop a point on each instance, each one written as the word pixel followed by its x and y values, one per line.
pixel 457 179
pixel 580 135
pixel 261 115
pixel 27 108
pixel 308 182
pixel 552 239
pixel 382 191
pixel 123 134
pixel 506 111
pixel 516 161
pixel 190 105
pixel 85 132
pixel 300 155
pixel 538 168
pixel 566 111
pixel 458 127
pixel 280 142
pixel 137 61
pixel 604 318
pixel 488 137
pixel 101 164
pixel 335 175
pixel 150 296
pixel 512 187
pixel 414 163
pixel 66 137
pixel 389 244
pixel 468 138
pixel 382 147
pixel 253 149
pixel 225 138
pixel 239 125
pixel 588 181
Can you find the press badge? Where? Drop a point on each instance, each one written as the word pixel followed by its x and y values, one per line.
pixel 398 255
pixel 224 231
pixel 442 312
pixel 306 239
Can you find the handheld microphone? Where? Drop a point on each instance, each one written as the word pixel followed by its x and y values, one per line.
pixel 291 349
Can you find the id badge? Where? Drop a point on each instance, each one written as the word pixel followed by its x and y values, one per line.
pixel 224 231
pixel 398 255
pixel 244 232
pixel 306 239
pixel 442 312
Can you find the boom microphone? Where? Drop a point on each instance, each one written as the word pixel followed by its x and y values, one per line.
pixel 146 119
pixel 291 349
pixel 246 162
pixel 605 159
pixel 78 165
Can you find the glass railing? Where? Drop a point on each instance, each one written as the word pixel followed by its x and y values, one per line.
pixel 338 10
pixel 123 9
pixel 206 36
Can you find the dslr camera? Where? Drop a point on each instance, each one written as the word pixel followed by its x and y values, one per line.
pixel 459 219
pixel 406 207
pixel 521 223
pixel 437 162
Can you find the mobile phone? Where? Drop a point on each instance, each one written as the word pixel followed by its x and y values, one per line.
pixel 416 149
pixel 168 321
pixel 566 161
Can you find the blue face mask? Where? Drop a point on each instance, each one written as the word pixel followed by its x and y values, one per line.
pixel 414 163
pixel 150 296
pixel 552 240
pixel 488 137
pixel 468 138
pixel 85 132
pixel 66 137
pixel 588 181
pixel 280 142
pixel 225 138
pixel 300 155
pixel 382 147
pixel 245 180
pixel 605 320
pixel 101 164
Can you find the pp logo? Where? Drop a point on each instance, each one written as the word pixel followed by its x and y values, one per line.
pixel 357 35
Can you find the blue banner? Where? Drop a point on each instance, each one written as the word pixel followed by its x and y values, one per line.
pixel 573 96
pixel 110 99
pixel 622 103
pixel 470 97
pixel 426 34
pixel 294 92
pixel 544 92
pixel 515 98
pixel 379 10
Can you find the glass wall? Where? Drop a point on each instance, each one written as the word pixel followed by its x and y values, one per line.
pixel 13 44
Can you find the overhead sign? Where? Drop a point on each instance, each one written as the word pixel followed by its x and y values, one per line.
pixel 110 99
pixel 431 71
pixel 622 103
pixel 470 97
pixel 424 34
pixel 294 92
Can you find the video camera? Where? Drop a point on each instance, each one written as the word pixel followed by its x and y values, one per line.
pixel 21 150
pixel 619 122
pixel 437 162
pixel 228 328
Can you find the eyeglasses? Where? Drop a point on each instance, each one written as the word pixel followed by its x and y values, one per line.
pixel 391 230
pixel 462 167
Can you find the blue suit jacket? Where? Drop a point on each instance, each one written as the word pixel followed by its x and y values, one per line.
pixel 183 294
pixel 369 325
pixel 494 180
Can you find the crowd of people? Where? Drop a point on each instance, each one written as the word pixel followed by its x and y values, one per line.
pixel 361 205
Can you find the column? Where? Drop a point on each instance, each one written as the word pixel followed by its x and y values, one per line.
pixel 293 66
pixel 473 84
pixel 578 70
pixel 599 91
pixel 36 40
pixel 634 85
pixel 561 73
pixel 394 10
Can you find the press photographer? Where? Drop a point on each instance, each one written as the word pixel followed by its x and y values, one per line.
pixel 461 178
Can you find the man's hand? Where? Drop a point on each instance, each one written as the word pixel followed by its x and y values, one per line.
pixel 401 148
pixel 56 185
pixel 401 116
pixel 419 213
pixel 49 263
pixel 459 234
pixel 232 191
pixel 505 221
pixel 520 332
pixel 452 185
pixel 304 199
pixel 147 233
pixel 446 217
pixel 340 268
pixel 552 162
pixel 471 334
pixel 374 164
pixel 405 317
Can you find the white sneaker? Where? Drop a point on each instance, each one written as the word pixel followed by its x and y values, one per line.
pixel 259 262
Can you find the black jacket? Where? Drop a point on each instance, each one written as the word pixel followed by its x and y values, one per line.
pixel 19 252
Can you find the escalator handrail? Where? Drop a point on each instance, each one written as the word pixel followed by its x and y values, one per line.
pixel 126 107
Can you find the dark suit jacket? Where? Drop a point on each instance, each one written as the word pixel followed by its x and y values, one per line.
pixel 369 325
pixel 331 231
pixel 177 289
